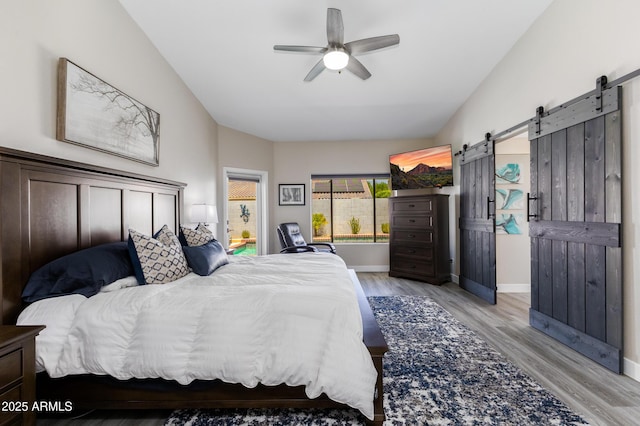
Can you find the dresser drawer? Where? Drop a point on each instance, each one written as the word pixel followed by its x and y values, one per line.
pixel 417 252
pixel 10 367
pixel 412 266
pixel 12 415
pixel 417 236
pixel 412 206
pixel 420 222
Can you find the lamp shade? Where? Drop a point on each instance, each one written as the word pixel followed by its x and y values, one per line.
pixel 205 213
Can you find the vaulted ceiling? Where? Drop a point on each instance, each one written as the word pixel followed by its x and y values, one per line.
pixel 223 50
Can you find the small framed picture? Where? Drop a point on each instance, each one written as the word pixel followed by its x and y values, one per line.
pixel 291 194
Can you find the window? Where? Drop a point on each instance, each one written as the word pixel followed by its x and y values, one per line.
pixel 352 209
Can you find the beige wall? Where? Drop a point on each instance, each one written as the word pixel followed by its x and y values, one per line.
pixel 559 58
pixel 295 162
pixel 99 36
pixel 241 150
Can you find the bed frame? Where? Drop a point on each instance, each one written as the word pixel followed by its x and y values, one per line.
pixel 51 207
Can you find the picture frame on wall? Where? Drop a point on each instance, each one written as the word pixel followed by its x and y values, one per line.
pixel 96 115
pixel 291 194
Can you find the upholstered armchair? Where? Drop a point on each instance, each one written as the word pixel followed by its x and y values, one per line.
pixel 292 241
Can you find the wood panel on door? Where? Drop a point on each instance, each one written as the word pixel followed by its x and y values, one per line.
pixel 576 252
pixel 477 221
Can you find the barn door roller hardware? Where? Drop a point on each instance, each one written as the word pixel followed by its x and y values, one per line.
pixel 538 118
pixel 487 140
pixel 601 83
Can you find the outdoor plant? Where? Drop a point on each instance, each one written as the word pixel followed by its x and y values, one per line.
pixel 246 234
pixel 355 225
pixel 385 227
pixel 381 190
pixel 318 220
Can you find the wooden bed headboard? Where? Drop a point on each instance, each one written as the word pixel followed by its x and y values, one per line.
pixel 51 207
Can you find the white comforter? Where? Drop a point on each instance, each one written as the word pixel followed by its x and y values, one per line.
pixel 289 318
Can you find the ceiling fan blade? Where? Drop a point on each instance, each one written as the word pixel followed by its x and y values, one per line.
pixel 335 28
pixel 315 71
pixel 304 49
pixel 372 43
pixel 356 67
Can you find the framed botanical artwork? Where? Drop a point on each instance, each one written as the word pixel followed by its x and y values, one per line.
pixel 291 194
pixel 94 114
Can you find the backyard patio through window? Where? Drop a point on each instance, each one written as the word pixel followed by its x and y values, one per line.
pixel 353 209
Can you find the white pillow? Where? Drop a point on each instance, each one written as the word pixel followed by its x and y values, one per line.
pixel 125 282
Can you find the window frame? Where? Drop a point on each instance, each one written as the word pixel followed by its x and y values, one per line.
pixel 365 176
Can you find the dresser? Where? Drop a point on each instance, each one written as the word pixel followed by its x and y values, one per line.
pixel 17 374
pixel 419 238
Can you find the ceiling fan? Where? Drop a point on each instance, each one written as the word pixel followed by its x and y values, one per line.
pixel 338 55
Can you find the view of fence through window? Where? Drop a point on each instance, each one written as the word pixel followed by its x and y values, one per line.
pixel 350 209
pixel 242 216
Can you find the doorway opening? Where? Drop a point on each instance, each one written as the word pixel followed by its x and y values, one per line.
pixel 512 184
pixel 245 197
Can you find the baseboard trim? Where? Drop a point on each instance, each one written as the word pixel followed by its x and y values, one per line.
pixel 369 268
pixel 514 288
pixel 631 369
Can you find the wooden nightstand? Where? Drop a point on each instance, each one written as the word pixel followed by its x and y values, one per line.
pixel 17 374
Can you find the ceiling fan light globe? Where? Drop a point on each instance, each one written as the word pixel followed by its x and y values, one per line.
pixel 335 60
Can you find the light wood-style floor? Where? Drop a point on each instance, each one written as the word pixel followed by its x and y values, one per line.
pixel 601 397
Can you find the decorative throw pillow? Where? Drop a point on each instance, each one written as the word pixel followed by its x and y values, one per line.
pixel 205 259
pixel 158 259
pixel 195 237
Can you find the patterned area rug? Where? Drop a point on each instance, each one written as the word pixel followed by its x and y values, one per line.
pixel 437 372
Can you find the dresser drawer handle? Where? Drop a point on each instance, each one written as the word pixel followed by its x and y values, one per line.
pixel 411 236
pixel 412 251
pixel 412 205
pixel 412 221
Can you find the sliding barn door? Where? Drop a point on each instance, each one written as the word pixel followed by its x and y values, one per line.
pixel 477 221
pixel 575 223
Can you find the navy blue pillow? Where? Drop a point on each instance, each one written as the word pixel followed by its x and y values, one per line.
pixel 205 259
pixel 83 272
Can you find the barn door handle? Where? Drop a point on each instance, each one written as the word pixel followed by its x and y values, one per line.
pixel 529 200
pixel 489 215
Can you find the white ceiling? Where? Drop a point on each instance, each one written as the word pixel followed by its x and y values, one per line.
pixel 223 50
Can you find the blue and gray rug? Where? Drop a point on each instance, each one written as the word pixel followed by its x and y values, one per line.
pixel 437 372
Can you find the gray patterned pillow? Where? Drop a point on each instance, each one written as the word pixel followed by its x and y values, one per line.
pixel 158 259
pixel 196 237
